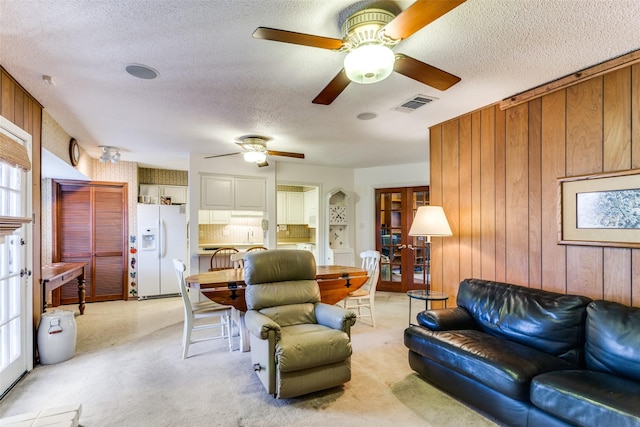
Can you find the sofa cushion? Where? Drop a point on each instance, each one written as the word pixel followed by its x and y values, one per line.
pixel 497 363
pixel 306 346
pixel 588 398
pixel 548 321
pixel 613 339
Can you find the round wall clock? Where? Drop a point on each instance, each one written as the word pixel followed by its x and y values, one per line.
pixel 74 152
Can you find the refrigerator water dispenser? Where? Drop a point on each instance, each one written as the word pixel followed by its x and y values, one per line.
pixel 148 239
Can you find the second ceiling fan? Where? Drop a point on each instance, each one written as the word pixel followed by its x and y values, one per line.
pixel 254 150
pixel 369 36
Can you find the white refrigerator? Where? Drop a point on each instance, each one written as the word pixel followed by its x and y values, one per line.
pixel 162 236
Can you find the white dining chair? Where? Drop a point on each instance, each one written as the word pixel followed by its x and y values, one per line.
pixel 237 259
pixel 364 298
pixel 196 312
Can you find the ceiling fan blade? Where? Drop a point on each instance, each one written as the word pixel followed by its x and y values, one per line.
pixel 297 38
pixel 285 154
pixel 222 155
pixel 262 164
pixel 418 15
pixel 333 89
pixel 424 73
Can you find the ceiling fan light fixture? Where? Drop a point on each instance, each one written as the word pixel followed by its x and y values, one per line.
pixel 369 63
pixel 254 157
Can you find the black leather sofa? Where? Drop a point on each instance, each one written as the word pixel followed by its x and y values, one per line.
pixel 529 357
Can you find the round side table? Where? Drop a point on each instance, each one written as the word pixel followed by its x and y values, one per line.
pixel 427 297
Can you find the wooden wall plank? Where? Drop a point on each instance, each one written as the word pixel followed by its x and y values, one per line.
pixel 18 107
pixel 465 199
pixel 584 156
pixel 635 116
pixel 488 193
pixel 451 206
pixel 435 198
pixel 617 156
pixel 617 121
pixel 554 261
pixel 635 164
pixel 8 90
pixel 476 196
pixel 535 193
pixel 501 185
pixel 517 195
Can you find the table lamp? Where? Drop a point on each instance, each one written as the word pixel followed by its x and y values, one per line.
pixel 430 221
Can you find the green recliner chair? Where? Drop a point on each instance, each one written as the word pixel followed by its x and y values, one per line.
pixel 298 344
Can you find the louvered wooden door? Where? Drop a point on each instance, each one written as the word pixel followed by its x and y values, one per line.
pixel 90 226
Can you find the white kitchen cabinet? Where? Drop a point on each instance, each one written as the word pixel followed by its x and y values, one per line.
pixel 281 213
pixel 177 193
pixel 216 192
pixel 213 217
pixel 311 208
pixel 152 193
pixel 250 194
pixel 290 207
pixel 232 193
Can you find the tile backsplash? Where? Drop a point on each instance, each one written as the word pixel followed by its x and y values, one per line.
pixel 239 230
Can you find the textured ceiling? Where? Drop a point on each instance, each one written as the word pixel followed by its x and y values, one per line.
pixel 217 83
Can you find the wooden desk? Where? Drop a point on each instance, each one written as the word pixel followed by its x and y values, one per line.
pixel 335 282
pixel 60 273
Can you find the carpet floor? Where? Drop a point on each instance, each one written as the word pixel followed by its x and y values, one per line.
pixel 127 371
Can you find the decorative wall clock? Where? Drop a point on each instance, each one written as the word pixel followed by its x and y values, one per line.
pixel 337 215
pixel 74 152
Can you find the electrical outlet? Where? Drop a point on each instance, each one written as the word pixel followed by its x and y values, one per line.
pixel 225 233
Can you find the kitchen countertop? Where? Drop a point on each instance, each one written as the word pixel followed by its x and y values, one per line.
pixel 239 246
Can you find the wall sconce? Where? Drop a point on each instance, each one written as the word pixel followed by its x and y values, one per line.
pixel 430 221
pixel 109 154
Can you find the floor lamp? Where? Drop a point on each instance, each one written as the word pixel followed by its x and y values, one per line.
pixel 430 221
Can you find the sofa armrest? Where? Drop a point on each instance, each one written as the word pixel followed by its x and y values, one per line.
pixel 335 317
pixel 259 325
pixel 446 319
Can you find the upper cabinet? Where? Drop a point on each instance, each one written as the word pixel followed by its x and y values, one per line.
pixel 290 207
pixel 311 208
pixel 232 193
pixel 164 194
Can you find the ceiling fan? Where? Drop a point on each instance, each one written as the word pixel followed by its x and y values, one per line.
pixel 369 36
pixel 254 150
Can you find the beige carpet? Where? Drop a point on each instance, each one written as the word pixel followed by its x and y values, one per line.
pixel 128 371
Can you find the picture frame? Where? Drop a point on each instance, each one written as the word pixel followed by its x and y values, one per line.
pixel 600 209
pixel 165 200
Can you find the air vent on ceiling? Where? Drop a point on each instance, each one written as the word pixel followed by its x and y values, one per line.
pixel 414 103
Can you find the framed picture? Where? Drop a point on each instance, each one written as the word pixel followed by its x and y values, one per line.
pixel 600 210
pixel 165 200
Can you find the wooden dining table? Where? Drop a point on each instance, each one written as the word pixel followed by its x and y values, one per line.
pixel 227 287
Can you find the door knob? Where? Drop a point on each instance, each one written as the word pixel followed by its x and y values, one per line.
pixel 402 246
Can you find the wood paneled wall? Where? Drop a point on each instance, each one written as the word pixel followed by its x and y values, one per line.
pixel 24 111
pixel 495 173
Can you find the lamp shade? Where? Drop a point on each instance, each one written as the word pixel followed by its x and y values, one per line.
pixel 430 221
pixel 369 63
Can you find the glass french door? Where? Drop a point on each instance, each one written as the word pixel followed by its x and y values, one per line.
pixel 404 260
pixel 16 290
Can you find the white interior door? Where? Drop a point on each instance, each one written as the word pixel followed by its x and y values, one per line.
pixel 16 289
